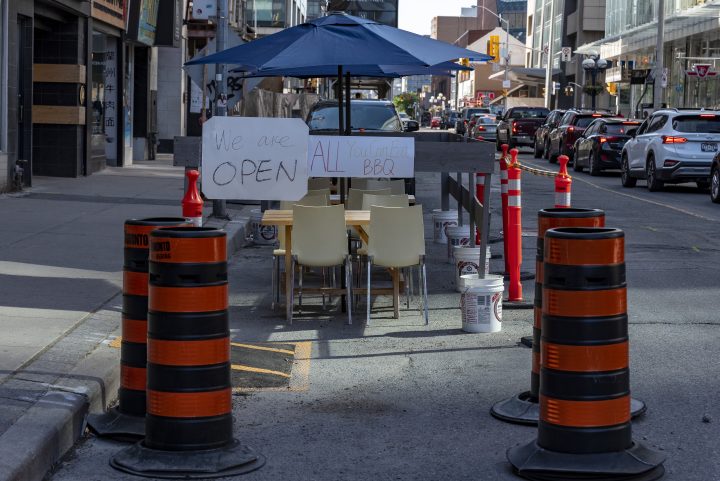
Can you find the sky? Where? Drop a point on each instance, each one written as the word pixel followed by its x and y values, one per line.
pixel 416 15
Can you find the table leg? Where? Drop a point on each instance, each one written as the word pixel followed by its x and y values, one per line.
pixel 288 267
pixel 396 291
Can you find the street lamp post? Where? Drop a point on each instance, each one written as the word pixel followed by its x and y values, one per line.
pixel 593 65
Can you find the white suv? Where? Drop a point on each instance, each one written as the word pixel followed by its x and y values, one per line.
pixel 672 146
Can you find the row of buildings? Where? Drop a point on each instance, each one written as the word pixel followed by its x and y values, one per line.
pixel 89 83
pixel 566 32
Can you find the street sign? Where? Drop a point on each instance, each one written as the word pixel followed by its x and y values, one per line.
pixel 701 71
pixel 664 79
pixel 565 54
pixel 506 84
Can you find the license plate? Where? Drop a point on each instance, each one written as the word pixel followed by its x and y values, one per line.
pixel 709 147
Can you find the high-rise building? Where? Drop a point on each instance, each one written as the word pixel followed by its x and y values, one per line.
pixel 382 11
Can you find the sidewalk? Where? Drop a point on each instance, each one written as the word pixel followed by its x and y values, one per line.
pixel 61 277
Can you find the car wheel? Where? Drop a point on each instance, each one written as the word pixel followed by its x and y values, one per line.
pixel 577 167
pixel 593 165
pixel 625 178
pixel 715 186
pixel 653 184
pixel 537 152
pixel 553 158
pixel 546 151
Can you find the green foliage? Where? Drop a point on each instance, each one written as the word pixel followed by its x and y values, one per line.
pixel 406 102
pixel 590 89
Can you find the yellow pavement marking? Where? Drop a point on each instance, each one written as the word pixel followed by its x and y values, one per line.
pixel 115 342
pixel 299 374
pixel 240 367
pixel 262 348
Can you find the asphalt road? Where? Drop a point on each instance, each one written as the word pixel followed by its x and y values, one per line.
pixel 399 401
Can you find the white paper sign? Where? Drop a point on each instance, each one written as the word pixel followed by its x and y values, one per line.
pixel 254 158
pixel 333 156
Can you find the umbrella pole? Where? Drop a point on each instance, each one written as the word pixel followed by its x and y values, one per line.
pixel 348 125
pixel 341 125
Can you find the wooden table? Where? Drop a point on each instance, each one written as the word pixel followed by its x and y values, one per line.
pixel 335 199
pixel 359 219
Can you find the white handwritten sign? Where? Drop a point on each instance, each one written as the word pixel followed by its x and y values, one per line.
pixel 331 156
pixel 254 158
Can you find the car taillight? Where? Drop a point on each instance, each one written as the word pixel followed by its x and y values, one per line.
pixel 707 116
pixel 481 128
pixel 670 163
pixel 671 139
pixel 514 127
pixel 608 139
pixel 571 129
pixel 597 115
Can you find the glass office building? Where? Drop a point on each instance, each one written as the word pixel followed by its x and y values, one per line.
pixel 382 11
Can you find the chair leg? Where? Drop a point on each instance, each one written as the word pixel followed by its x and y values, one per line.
pixel 425 293
pixel 406 276
pixel 275 281
pixel 369 270
pixel 300 289
pixel 348 283
pixel 324 271
pixel 290 277
pixel 396 292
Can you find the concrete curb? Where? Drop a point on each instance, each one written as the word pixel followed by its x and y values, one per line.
pixel 52 426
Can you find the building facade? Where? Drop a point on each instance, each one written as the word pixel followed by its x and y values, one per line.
pixel 691 48
pixel 5 166
pixel 382 11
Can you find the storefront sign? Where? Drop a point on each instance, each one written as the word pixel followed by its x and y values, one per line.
pixel 110 105
pixel 333 156
pixel 638 76
pixel 254 158
pixel 701 71
pixel 142 21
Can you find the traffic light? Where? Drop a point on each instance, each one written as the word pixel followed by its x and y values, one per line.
pixel 493 47
pixel 465 62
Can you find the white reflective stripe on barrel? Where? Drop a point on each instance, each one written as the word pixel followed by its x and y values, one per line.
pixel 514 201
pixel 503 175
pixel 514 184
pixel 562 199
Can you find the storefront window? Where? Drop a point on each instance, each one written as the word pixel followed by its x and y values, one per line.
pixel 103 94
pixel 269 13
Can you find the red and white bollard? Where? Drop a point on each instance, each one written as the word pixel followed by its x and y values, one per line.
pixel 192 204
pixel 504 202
pixel 513 238
pixel 563 185
pixel 480 195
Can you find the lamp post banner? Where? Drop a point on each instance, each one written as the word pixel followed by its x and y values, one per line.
pixel 333 156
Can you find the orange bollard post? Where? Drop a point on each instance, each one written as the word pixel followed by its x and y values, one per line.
pixel 513 239
pixel 563 184
pixel 192 203
pixel 504 202
pixel 480 194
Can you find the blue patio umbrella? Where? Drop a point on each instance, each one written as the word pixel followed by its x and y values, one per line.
pixel 383 71
pixel 339 39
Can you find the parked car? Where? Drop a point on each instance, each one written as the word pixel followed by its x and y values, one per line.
pixel 542 132
pixel 435 123
pixel 715 179
pixel 672 146
pixel 449 120
pixel 461 124
pixel 485 129
pixel 517 127
pixel 409 124
pixel 600 146
pixel 571 126
pixel 365 115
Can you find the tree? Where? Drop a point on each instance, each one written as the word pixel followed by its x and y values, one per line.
pixel 406 102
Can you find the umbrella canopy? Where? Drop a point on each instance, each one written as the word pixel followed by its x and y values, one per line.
pixel 385 71
pixel 339 39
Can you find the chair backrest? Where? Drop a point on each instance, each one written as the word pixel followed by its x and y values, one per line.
pixel 355 197
pixel 397 186
pixel 319 183
pixel 319 235
pixel 384 201
pixel 359 183
pixel 313 200
pixel 397 236
pixel 323 191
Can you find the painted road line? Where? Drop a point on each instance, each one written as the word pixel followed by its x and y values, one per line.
pixel 239 367
pixel 654 202
pixel 299 374
pixel 262 348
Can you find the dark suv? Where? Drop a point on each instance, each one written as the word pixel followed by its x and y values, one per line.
pixel 365 116
pixel 542 134
pixel 461 124
pixel 570 128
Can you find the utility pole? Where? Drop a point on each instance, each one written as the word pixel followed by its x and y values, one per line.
pixel 507 56
pixel 219 210
pixel 659 56
pixel 550 57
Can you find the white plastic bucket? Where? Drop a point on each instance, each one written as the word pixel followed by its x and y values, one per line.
pixel 262 234
pixel 481 303
pixel 456 236
pixel 467 260
pixel 443 219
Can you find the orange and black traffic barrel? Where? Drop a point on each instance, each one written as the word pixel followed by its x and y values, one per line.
pixel 584 429
pixel 523 408
pixel 128 419
pixel 189 395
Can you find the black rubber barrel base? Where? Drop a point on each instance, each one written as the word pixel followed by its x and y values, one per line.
pixel 507 304
pixel 638 463
pixel 116 425
pixel 231 460
pixel 521 409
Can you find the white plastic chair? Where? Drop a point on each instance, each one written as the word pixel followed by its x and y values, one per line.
pixel 397 241
pixel 318 200
pixel 397 186
pixel 355 197
pixel 319 183
pixel 384 200
pixel 320 240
